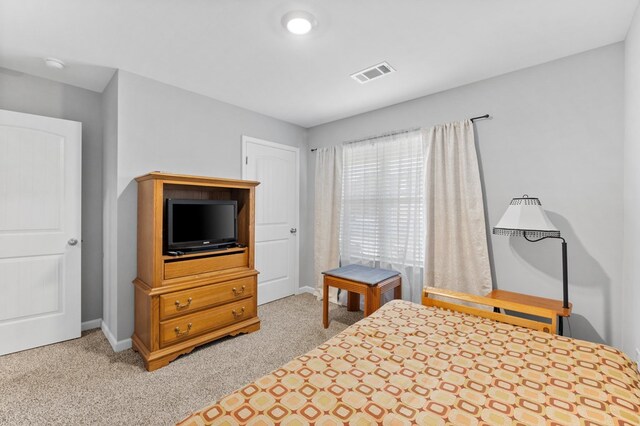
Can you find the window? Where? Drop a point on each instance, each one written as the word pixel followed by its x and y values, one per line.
pixel 382 222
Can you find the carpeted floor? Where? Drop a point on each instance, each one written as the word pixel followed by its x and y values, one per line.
pixel 84 382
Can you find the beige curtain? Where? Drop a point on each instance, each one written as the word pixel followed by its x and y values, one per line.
pixel 328 196
pixel 456 253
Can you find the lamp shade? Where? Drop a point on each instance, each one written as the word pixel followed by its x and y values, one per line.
pixel 525 215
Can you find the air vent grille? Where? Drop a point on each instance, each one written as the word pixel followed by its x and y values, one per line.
pixel 373 73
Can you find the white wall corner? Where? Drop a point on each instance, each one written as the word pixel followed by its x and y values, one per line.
pixel 306 289
pixel 91 324
pixel 118 346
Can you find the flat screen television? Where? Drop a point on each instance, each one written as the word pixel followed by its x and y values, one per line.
pixel 201 224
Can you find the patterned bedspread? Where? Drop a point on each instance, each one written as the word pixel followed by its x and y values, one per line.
pixel 409 364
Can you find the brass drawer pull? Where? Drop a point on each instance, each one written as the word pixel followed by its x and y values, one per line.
pixel 238 293
pixel 186 305
pixel 183 333
pixel 236 314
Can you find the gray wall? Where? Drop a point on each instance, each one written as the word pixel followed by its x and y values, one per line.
pixel 161 127
pixel 556 133
pixel 33 95
pixel 632 192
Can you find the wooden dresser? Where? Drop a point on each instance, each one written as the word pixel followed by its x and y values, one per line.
pixel 186 301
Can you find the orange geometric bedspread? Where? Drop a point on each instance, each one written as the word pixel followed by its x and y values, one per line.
pixel 409 364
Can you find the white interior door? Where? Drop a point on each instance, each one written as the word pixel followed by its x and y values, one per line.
pixel 276 167
pixel 40 179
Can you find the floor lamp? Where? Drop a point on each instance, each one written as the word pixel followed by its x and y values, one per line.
pixel 526 218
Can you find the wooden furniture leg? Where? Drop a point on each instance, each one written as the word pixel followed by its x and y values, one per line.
pixel 371 300
pixel 325 304
pixel 353 301
pixel 397 292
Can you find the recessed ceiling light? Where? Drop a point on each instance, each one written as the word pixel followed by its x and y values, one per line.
pixel 54 63
pixel 299 22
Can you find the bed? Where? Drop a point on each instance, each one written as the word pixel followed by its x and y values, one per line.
pixel 414 364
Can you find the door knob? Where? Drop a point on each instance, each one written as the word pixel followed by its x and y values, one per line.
pixel 73 242
pixel 293 230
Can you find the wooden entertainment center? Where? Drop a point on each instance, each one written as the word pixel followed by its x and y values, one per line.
pixel 185 301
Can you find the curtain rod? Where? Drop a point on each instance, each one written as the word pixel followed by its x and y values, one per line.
pixel 398 132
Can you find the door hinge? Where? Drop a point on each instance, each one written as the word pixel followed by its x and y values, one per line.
pixel 246 160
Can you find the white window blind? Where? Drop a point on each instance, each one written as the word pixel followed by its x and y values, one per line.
pixel 382 220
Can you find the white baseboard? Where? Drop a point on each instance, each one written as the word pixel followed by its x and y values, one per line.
pixel 117 345
pixel 90 325
pixel 306 289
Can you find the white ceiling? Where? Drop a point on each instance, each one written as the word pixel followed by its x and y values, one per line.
pixel 237 51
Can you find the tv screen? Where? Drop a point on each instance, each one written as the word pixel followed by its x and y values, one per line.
pixel 201 224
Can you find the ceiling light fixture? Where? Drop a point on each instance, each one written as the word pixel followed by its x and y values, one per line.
pixel 54 63
pixel 299 22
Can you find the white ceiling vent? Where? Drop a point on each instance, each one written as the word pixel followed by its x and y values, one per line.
pixel 372 73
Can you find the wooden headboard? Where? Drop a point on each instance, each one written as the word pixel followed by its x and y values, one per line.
pixel 550 317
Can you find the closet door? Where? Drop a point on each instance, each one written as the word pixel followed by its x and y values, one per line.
pixel 40 183
pixel 276 167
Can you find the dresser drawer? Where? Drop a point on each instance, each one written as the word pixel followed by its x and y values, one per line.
pixel 187 301
pixel 184 327
pixel 177 268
